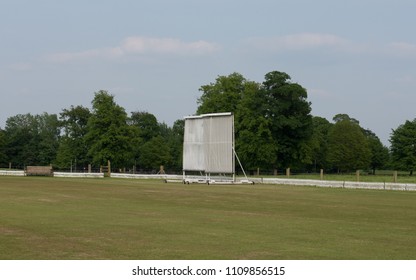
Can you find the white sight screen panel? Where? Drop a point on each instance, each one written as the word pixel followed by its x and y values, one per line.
pixel 208 143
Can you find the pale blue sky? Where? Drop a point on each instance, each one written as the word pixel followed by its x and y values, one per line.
pixel 356 57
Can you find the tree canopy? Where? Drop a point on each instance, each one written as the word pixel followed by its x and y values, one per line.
pixel 291 122
pixel 31 139
pixel 273 121
pixel 109 135
pixel 224 95
pixel 348 147
pixel 73 146
pixel 319 143
pixel 403 146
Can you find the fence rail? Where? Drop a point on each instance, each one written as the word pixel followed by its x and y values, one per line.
pixel 78 175
pixel 12 173
pixel 337 184
pixel 346 184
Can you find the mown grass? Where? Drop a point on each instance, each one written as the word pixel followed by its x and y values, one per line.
pixel 52 218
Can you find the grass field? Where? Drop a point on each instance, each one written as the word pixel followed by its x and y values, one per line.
pixel 52 218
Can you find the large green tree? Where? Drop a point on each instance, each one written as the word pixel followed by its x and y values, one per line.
pixel 319 142
pixel 379 153
pixel 403 146
pixel 174 140
pixel 348 148
pixel 158 143
pixel 20 148
pixel 31 139
pixel 147 124
pixel 255 144
pixel 288 112
pixel 73 148
pixel 272 120
pixel 154 153
pixel 109 135
pixel 222 96
pixel 48 133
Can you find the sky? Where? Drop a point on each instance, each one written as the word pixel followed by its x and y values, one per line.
pixel 355 57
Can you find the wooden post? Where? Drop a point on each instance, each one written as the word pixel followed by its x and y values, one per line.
pixel 258 171
pixel 275 172
pixel 357 174
pixel 109 168
pixel 395 177
pixel 322 175
pixel 10 165
pixel 89 168
pixel 288 172
pixel 162 170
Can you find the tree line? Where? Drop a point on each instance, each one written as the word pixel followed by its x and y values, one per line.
pixel 274 129
pixel 80 136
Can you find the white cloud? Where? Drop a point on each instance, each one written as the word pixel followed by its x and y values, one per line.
pixel 142 45
pixel 139 46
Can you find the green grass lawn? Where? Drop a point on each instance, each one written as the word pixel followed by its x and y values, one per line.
pixel 52 218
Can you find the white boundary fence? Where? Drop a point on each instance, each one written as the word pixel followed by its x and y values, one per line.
pixel 290 182
pixel 146 176
pixel 275 181
pixel 12 173
pixel 337 184
pixel 77 175
pixel 55 174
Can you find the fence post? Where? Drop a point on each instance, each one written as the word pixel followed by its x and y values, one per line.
pixel 109 168
pixel 322 175
pixel 288 172
pixel 258 171
pixel 89 168
pixel 162 170
pixel 10 165
pixel 357 174
pixel 394 176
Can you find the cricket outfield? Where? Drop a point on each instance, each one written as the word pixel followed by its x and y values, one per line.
pixel 67 218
